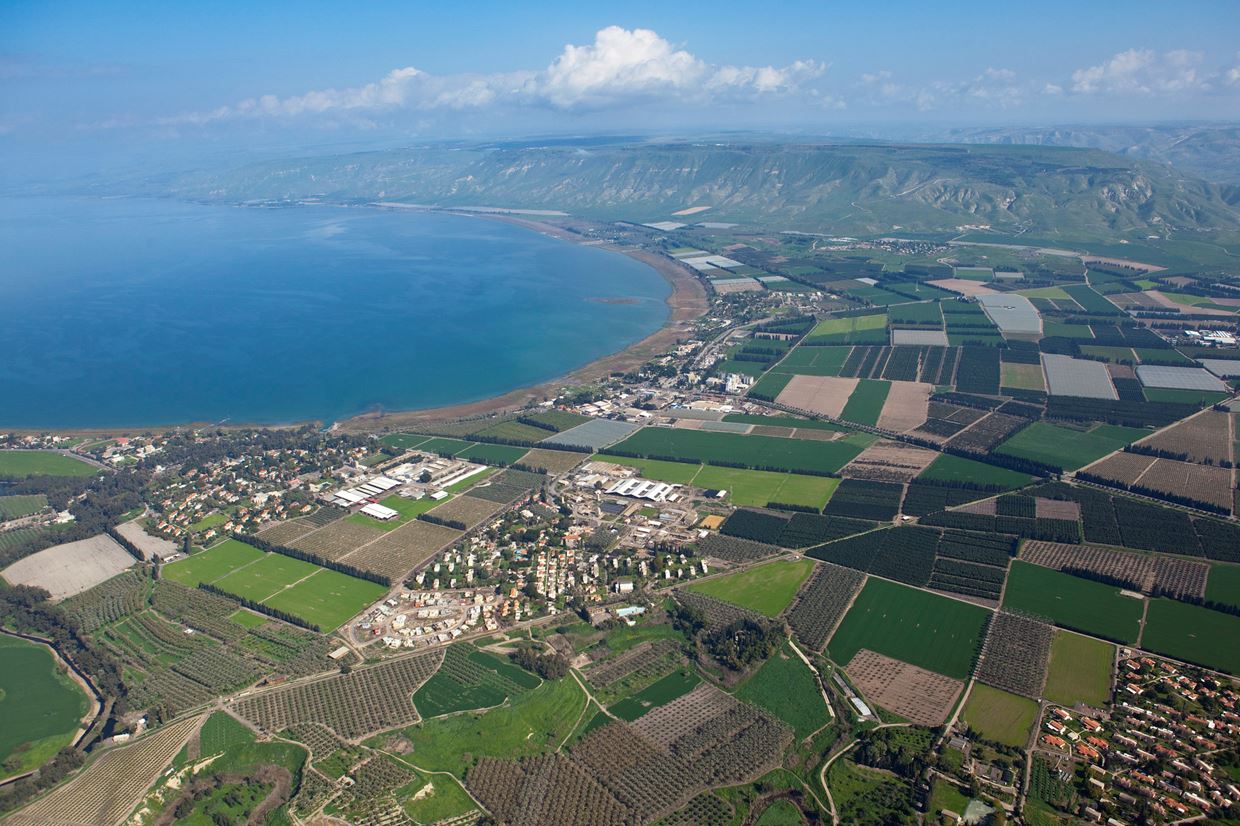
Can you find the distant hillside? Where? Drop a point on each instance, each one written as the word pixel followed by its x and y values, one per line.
pixel 1209 152
pixel 852 189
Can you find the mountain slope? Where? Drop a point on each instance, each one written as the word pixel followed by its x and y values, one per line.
pixel 855 189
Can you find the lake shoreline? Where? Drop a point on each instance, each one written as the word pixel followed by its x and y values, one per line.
pixel 686 302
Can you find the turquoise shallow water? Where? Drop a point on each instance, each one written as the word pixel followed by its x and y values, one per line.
pixel 134 312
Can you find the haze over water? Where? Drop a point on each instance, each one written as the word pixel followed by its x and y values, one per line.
pixel 135 312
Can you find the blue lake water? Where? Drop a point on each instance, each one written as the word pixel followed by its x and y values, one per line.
pixel 135 312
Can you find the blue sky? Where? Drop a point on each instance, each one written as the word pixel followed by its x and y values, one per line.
pixel 178 77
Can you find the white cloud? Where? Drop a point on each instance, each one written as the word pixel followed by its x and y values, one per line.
pixel 1000 87
pixel 1144 71
pixel 621 66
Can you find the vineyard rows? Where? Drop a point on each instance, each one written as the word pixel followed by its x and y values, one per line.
pixel 734 549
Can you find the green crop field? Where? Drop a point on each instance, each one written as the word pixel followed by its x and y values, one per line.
pixel 443 444
pixel 676 473
pixel 948 468
pixel 1110 353
pixel 1022 376
pixel 813 361
pixel 793 455
pixel 208 566
pixel 532 723
pixel 404 441
pixel 327 598
pixel 1194 634
pixel 1171 395
pixel 767 589
pixel 266 577
pixel 858 328
pixel 1000 716
pixel 496 454
pixel 770 385
pixel 866 402
pixel 1044 292
pixel 246 618
pixel 42 463
pixel 786 687
pixel 659 693
pixel 1090 300
pixel 1080 670
pixel 39 706
pixel 470 679
pixel 1072 602
pixel 1223 585
pixel 15 507
pixel 1060 329
pixel 1068 448
pixel 927 630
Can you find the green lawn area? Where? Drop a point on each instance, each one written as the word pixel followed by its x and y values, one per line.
pixel 944 795
pixel 852 324
pixel 39 706
pixel 787 688
pixel 42 463
pixel 246 618
pixel 327 598
pixel 1000 716
pixel 934 632
pixel 676 473
pixel 659 693
pixel 1044 292
pixel 813 361
pixel 485 453
pixel 948 468
pixel 408 509
pixel 444 800
pixel 767 589
pixel 1194 634
pixel 213 520
pixel 1072 602
pixel 533 723
pixel 266 577
pixel 404 441
pixel 1223 584
pixel 1080 670
pixel 866 402
pixel 471 679
pixel 1067 448
pixel 208 566
pixel 15 507
pixel 780 813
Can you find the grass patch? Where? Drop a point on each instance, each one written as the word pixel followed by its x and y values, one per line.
pixel 1171 395
pixel 934 632
pixel 246 618
pixel 793 455
pixel 1080 670
pixel 1067 448
pixel 659 693
pixel 813 361
pixel 948 468
pixel 42 463
pixel 860 329
pixel 767 589
pixel 1022 376
pixel 787 688
pixel 1000 716
pixel 407 508
pixel 1073 602
pixel 15 507
pixel 212 565
pixel 866 402
pixel 1194 634
pixel 327 598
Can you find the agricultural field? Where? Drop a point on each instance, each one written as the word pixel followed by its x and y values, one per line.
pixel 407 508
pixel 813 361
pixel 862 329
pixel 792 455
pixel 755 488
pixel 659 693
pixel 1072 602
pixel 470 679
pixel 1223 585
pixel 865 404
pixel 1016 654
pixel 1080 670
pixel 1193 634
pixel 948 468
pixel 40 706
pixel 208 566
pixel 936 633
pixel 997 715
pixel 72 567
pixel 1022 376
pixel 1205 437
pixel 913 693
pixel 42 463
pixel 822 602
pixel 786 688
pixel 15 507
pixel 767 589
pixel 1068 448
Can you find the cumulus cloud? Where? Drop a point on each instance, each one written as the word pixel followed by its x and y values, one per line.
pixel 1144 71
pixel 621 66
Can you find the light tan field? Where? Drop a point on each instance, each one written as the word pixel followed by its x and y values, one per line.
pixel 824 395
pixel 888 461
pixel 907 406
pixel 918 695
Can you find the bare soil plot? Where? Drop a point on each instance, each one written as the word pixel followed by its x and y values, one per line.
pixel 915 694
pixel 773 430
pixel 1173 576
pixel 1201 482
pixel 963 286
pixel 1123 467
pixel 815 435
pixel 888 461
pixel 338 539
pixel 824 395
pixel 1167 303
pixel 553 461
pixel 907 406
pixel 466 509
pixel 1205 437
pixel 71 568
pixel 398 552
pixel 151 546
pixel 1057 509
pixel 984 434
pixel 108 789
pixel 1121 371
pixel 1135 301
